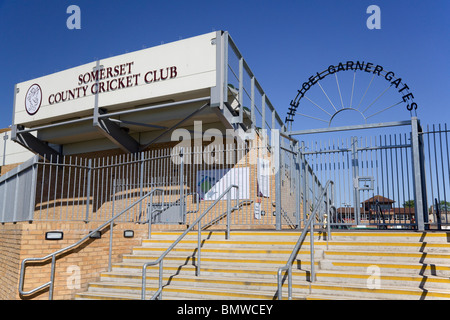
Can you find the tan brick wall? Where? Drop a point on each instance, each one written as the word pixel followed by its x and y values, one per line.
pixel 10 243
pixel 25 240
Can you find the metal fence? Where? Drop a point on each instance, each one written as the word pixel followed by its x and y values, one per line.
pixel 437 172
pixel 381 182
pixel 17 193
pixel 373 178
pixel 73 188
pixel 387 181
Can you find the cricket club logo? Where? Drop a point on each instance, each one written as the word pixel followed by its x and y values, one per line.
pixel 33 99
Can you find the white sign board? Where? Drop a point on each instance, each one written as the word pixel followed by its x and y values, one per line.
pixel 212 183
pixel 263 178
pixel 122 81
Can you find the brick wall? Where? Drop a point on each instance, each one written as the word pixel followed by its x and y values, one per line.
pixel 10 243
pixel 74 269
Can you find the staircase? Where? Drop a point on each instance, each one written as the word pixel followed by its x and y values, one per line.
pixel 353 265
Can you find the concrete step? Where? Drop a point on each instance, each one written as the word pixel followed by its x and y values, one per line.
pixel 215 261
pixel 384 279
pixel 399 268
pixel 292 235
pixel 385 293
pixel 134 272
pixel 224 288
pixel 211 251
pixel 351 265
pixel 422 257
pixel 175 291
pixel 365 279
pixel 284 244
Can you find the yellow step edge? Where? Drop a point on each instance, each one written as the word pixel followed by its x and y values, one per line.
pixel 206 269
pixel 217 259
pixel 297 273
pixel 419 235
pixel 390 254
pixel 384 291
pixel 225 250
pixel 97 297
pixel 249 282
pixel 388 244
pixel 386 278
pixel 391 234
pixel 317 243
pixel 390 265
pixel 225 242
pixel 198 291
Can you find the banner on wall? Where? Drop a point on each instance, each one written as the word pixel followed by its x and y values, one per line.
pixel 212 183
pixel 263 178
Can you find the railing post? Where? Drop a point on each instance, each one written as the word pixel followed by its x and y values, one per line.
pixel 420 194
pixel 277 167
pixel 199 248
pixel 150 216
pixel 110 246
pixel 290 283
pixel 141 180
pixel 160 278
pixel 304 182
pixel 311 249
pixel 88 190
pixel 297 180
pixel 227 235
pixel 355 174
pixel 182 209
pixel 144 282
pixel 33 187
pixel 52 278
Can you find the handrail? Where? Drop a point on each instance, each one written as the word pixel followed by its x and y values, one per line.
pixel 160 260
pixel 217 219
pixel 54 254
pixel 309 225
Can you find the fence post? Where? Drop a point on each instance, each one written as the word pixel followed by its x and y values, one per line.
pixel 297 180
pixel 34 169
pixel 88 191
pixel 420 194
pixel 3 209
pixel 355 174
pixel 277 167
pixel 141 181
pixel 304 182
pixel 182 209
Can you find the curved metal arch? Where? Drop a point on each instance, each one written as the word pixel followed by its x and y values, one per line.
pixel 346 109
pixel 368 67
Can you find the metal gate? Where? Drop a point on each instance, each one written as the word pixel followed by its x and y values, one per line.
pixel 379 180
pixel 373 178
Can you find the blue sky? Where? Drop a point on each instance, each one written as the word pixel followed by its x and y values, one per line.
pixel 284 42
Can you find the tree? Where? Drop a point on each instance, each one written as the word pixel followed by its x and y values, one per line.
pixel 408 204
pixel 444 206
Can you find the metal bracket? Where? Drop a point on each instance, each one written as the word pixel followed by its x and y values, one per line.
pixel 370 186
pixel 117 135
pixel 30 142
